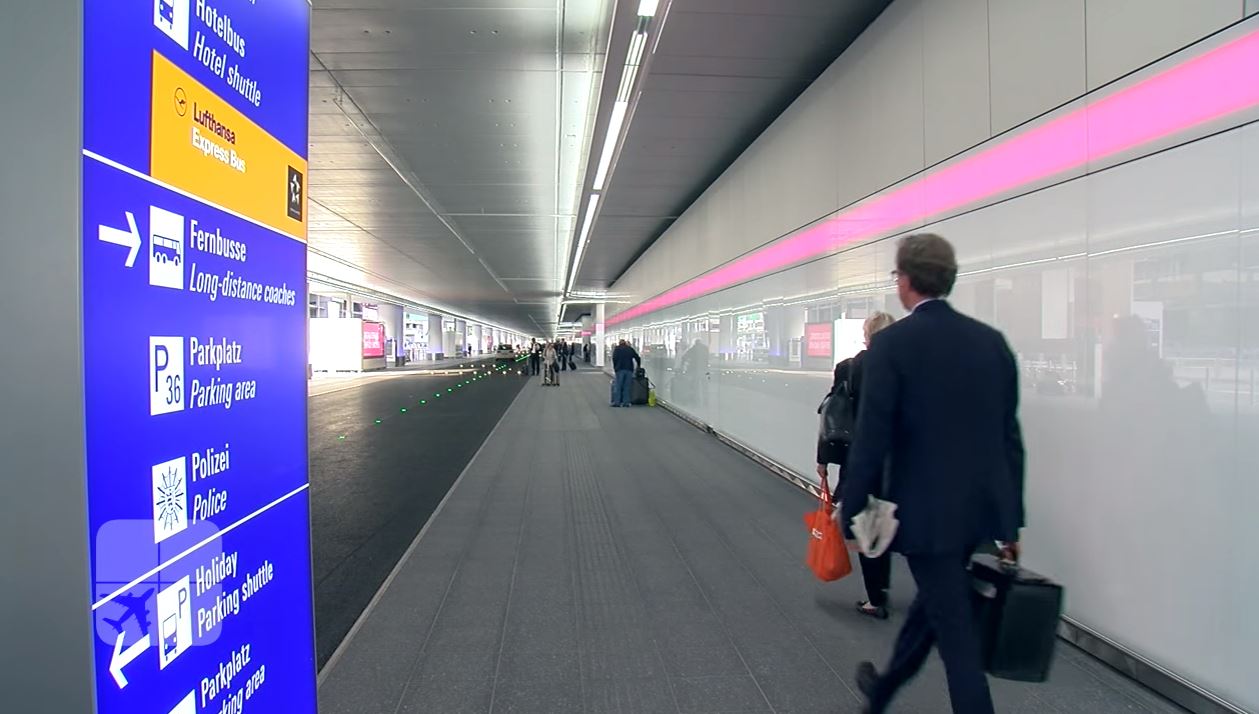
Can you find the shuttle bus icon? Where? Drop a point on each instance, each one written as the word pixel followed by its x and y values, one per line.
pixel 170 626
pixel 170 636
pixel 174 610
pixel 171 17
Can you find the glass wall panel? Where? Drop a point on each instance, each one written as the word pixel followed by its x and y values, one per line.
pixel 1131 298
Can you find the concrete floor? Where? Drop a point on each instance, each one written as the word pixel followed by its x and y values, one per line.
pixel 618 560
pixel 374 485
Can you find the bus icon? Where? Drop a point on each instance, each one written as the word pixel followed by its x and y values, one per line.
pixel 166 249
pixel 171 17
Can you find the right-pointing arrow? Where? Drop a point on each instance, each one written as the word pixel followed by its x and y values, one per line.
pixel 122 658
pixel 128 238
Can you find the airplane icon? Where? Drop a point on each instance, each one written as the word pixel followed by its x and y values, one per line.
pixel 134 608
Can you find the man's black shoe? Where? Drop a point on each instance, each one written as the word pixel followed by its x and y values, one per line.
pixel 868 682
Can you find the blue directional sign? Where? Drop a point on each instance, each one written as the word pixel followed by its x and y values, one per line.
pixel 194 314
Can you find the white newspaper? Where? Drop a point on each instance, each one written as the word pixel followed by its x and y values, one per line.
pixel 875 527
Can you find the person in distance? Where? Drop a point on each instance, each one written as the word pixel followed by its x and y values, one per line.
pixel 847 384
pixel 550 366
pixel 942 389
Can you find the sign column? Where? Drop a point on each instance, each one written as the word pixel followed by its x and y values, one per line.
pixel 194 368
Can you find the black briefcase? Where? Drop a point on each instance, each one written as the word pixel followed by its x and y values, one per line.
pixel 1017 612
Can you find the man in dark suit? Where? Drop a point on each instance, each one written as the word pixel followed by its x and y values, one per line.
pixel 938 419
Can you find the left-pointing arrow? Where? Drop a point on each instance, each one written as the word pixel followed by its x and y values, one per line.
pixel 128 238
pixel 122 658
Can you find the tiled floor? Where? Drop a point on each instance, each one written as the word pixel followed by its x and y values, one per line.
pixel 618 560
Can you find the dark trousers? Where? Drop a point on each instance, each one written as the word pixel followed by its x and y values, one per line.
pixel 940 616
pixel 535 363
pixel 877 575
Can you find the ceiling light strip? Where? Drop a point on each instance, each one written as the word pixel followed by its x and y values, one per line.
pixel 609 143
pixel 616 123
pixel 1198 91
pixel 583 239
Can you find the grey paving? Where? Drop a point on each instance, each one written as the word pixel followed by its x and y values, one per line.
pixel 618 560
pixel 377 472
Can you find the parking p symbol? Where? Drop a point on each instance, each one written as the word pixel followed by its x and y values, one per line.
pixel 166 367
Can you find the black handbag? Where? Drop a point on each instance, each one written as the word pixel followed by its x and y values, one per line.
pixel 839 419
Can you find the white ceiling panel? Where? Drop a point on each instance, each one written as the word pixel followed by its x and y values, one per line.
pixel 451 139
pixel 448 144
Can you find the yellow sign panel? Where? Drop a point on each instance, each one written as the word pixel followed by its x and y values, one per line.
pixel 201 144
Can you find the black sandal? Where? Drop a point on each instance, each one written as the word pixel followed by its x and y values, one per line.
pixel 865 608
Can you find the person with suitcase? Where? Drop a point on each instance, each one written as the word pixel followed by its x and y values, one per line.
pixel 625 360
pixel 942 389
pixel 550 363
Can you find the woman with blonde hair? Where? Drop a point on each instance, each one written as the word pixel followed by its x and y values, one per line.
pixel 846 387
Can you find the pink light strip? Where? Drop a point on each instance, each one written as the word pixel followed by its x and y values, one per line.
pixel 1211 86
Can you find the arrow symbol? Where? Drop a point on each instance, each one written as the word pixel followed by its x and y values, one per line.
pixel 127 239
pixel 121 657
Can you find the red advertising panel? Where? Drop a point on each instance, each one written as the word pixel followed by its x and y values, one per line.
pixel 817 339
pixel 373 339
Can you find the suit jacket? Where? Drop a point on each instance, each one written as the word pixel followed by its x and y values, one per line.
pixel 939 403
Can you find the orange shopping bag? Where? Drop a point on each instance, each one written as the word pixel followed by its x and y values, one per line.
pixel 827 556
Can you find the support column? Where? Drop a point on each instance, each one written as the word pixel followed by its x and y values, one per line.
pixel 391 315
pixel 436 338
pixel 43 491
pixel 600 328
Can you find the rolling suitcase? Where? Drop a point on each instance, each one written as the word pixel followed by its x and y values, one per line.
pixel 640 388
pixel 1017 612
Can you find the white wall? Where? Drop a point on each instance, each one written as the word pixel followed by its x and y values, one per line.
pixel 1130 293
pixel 336 344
